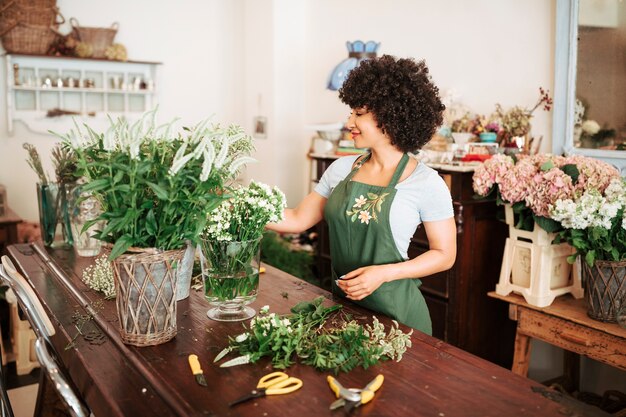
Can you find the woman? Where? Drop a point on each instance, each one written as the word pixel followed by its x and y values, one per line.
pixel 374 203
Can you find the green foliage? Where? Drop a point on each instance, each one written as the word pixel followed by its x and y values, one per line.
pixel 275 251
pixel 319 336
pixel 155 186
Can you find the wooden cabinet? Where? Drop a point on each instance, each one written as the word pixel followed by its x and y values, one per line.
pixel 8 229
pixel 462 313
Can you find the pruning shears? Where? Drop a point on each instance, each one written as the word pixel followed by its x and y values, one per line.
pixel 350 398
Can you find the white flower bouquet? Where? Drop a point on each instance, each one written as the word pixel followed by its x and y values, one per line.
pixel 594 223
pixel 230 243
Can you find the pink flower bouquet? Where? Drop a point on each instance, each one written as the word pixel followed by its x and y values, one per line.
pixel 533 184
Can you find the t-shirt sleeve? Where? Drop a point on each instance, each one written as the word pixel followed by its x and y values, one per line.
pixel 336 172
pixel 439 205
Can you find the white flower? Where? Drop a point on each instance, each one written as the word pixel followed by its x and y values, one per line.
pixel 242 337
pixel 359 201
pixel 265 309
pixel 365 217
pixel 590 127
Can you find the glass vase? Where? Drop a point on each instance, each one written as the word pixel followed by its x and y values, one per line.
pixel 54 217
pixel 230 271
pixel 84 209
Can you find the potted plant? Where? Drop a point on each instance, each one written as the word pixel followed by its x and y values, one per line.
pixel 155 185
pixel 594 224
pixel 515 122
pixel 461 129
pixel 230 248
pixel 533 264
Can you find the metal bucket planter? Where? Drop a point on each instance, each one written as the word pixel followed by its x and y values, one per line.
pixel 145 283
pixel 605 288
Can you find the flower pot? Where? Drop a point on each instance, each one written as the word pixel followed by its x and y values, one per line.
pixel 488 137
pixel 53 214
pixel 534 267
pixel 185 271
pixel 605 288
pixel 145 283
pixel 84 208
pixel 230 271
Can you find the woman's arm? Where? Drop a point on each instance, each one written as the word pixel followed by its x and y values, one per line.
pixel 309 212
pixel 361 282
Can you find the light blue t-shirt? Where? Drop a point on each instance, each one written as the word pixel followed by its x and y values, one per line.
pixel 422 197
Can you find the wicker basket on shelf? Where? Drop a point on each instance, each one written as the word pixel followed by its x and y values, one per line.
pixel 28 26
pixel 99 38
pixel 14 13
pixel 28 39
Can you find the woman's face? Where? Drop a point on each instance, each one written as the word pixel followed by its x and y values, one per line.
pixel 364 128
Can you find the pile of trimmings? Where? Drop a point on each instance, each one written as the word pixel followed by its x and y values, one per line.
pixel 319 336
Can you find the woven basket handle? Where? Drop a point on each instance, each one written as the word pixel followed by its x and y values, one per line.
pixel 58 19
pixel 6 6
pixel 115 26
pixel 8 29
pixel 74 22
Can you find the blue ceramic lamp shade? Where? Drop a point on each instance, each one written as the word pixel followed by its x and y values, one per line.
pixel 357 52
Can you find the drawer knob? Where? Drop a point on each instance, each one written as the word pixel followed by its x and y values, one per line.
pixel 575 339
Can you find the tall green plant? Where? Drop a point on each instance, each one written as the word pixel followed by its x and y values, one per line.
pixel 156 185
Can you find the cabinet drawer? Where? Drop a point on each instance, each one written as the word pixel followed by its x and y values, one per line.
pixel 573 337
pixel 436 284
pixel 439 315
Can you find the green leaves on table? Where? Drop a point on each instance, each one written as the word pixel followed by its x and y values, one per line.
pixel 320 336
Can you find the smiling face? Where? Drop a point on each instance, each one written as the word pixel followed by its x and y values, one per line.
pixel 364 129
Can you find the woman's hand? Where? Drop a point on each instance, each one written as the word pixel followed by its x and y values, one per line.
pixel 361 282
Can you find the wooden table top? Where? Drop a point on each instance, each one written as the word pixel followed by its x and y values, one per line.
pixel 433 378
pixel 568 308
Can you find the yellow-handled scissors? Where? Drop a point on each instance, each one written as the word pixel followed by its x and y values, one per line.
pixel 276 383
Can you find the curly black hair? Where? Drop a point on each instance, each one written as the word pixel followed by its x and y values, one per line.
pixel 400 94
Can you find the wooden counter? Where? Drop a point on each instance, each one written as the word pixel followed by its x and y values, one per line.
pixel 433 379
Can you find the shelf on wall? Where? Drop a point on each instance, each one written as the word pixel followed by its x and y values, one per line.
pixel 115 89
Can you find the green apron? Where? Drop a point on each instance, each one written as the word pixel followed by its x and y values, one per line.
pixel 360 235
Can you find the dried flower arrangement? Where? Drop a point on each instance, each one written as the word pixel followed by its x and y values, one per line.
pixel 99 277
pixel 516 121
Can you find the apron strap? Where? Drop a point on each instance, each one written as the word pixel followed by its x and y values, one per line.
pixel 399 170
pixel 396 175
pixel 363 159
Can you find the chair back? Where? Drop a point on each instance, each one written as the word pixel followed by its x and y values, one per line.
pixel 43 327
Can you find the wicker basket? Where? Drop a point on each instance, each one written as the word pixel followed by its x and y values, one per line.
pixel 30 3
pixel 13 13
pixel 145 284
pixel 605 287
pixel 28 39
pixel 99 38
